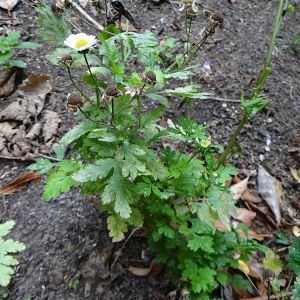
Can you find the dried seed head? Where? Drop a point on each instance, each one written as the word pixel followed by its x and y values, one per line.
pixel 66 60
pixel 149 78
pixel 218 19
pixel 208 12
pixel 191 14
pixel 73 101
pixel 111 92
pixel 268 275
pixel 56 8
pixel 235 255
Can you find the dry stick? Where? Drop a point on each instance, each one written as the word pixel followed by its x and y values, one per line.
pixel 251 281
pixel 77 6
pixel 30 158
pixel 120 250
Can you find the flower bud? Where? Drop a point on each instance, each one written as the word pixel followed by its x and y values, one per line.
pixel 111 92
pixel 149 78
pixel 66 60
pixel 74 100
pixel 268 275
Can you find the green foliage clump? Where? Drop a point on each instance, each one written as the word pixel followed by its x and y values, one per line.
pixel 136 167
pixel 7 46
pixel 6 247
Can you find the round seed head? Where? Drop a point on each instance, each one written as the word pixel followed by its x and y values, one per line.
pixel 191 14
pixel 73 101
pixel 235 255
pixel 208 12
pixel 218 19
pixel 149 78
pixel 111 92
pixel 268 275
pixel 66 59
pixel 56 8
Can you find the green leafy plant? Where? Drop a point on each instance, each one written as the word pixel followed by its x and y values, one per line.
pixel 166 178
pixel 293 259
pixel 6 247
pixel 7 46
pixel 296 41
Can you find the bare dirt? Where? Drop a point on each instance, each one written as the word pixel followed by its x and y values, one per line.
pixel 67 244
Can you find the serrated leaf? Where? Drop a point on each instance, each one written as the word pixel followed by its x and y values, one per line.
pixel 8 260
pixel 96 171
pixel 204 213
pixel 13 37
pixel 53 30
pixel 181 75
pixel 152 117
pixel 5 274
pixel 57 183
pixel 293 258
pixel 10 246
pixel 26 45
pixel 119 191
pixel 136 218
pixel 271 262
pixel 116 227
pixel 189 91
pixel 42 166
pixel 77 132
pixel 165 230
pixel 6 227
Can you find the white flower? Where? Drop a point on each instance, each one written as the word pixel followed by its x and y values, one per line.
pixel 134 90
pixel 188 5
pixel 80 41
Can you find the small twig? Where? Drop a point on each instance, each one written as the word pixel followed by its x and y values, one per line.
pixel 120 250
pixel 30 158
pixel 77 6
pixel 4 204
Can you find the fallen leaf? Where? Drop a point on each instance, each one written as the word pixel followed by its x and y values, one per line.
pixel 245 216
pixel 267 189
pixel 50 127
pixel 251 233
pixel 8 4
pixel 154 269
pixel 20 183
pixel 295 174
pixel 243 267
pixel 239 188
pixel 7 82
pixel 264 213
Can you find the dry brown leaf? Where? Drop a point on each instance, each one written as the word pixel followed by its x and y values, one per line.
pixel 20 183
pixel 7 82
pixel 8 4
pixel 247 196
pixel 154 269
pixel 245 216
pixel 269 192
pixel 251 233
pixel 50 127
pixel 239 188
pixel 37 84
pixel 34 132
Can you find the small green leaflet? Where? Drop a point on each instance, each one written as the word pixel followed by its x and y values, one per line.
pixel 272 262
pixel 8 246
pixel 189 91
pixel 116 227
pixel 77 132
pixel 96 171
pixel 53 30
pixel 119 191
pixel 42 165
pixel 165 230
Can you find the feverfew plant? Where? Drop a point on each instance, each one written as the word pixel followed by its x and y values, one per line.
pixel 142 172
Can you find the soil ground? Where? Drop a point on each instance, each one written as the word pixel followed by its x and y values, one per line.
pixel 66 238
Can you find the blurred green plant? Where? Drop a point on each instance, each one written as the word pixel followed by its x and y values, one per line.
pixel 6 247
pixel 7 46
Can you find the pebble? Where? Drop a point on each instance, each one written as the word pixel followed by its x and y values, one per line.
pixel 269 120
pixel 224 105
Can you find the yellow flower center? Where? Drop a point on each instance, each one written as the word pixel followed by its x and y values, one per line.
pixel 81 43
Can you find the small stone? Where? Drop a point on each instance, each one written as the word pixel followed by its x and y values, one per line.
pixel 224 105
pixel 269 120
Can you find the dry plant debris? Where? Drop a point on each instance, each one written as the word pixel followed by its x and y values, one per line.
pixel 25 130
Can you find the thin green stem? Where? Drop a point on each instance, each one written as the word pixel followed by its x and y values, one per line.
pixel 112 112
pixel 264 74
pixel 139 112
pixel 185 143
pixel 232 140
pixel 77 88
pixel 94 80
